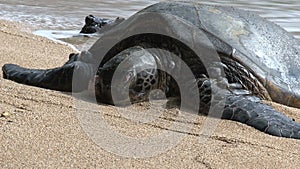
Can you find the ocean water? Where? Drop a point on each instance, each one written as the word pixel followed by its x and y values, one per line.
pixel 64 18
pixel 66 14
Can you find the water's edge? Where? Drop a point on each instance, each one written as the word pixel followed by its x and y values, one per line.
pixel 61 20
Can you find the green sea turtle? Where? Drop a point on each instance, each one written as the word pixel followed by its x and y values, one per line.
pixel 259 61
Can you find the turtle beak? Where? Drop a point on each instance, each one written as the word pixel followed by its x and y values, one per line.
pixel 91 86
pixel 123 88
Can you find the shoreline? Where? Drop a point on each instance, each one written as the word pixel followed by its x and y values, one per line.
pixel 50 34
pixel 41 128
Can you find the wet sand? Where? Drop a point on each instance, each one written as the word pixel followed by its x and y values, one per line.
pixel 40 128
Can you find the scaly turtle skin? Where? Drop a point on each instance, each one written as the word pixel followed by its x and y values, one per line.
pixel 257 64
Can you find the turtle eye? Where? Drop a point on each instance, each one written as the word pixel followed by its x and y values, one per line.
pixel 129 76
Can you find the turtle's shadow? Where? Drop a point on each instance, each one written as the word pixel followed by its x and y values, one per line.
pixel 171 103
pixel 85 96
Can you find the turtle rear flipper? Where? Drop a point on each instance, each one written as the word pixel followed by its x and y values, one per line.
pixel 239 106
pixel 56 79
pixel 252 111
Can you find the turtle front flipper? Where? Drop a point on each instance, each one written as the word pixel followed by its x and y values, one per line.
pixel 252 111
pixel 56 79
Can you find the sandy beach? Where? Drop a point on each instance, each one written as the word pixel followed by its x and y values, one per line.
pixel 39 128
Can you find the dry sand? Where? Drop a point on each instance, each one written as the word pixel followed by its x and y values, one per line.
pixel 41 128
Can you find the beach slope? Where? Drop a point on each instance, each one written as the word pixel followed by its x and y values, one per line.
pixel 39 127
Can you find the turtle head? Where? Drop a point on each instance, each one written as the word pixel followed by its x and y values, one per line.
pixel 127 78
